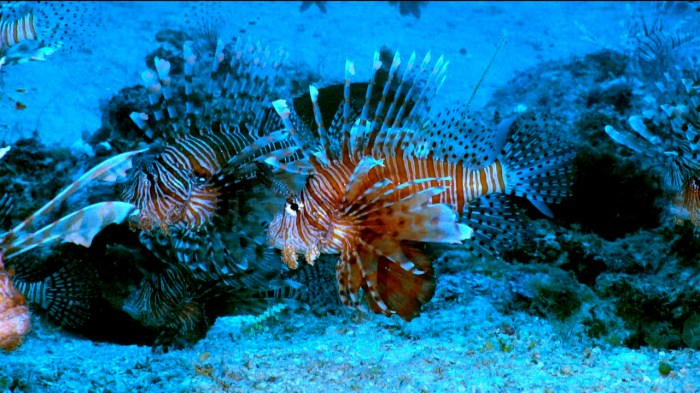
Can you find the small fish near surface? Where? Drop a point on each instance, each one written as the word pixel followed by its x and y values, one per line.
pixel 400 177
pixel 33 30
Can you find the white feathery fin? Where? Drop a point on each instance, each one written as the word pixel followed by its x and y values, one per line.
pixel 537 165
pixel 395 277
pixel 389 118
pixel 394 137
pixel 140 118
pixel 409 95
pixel 163 69
pixel 284 113
pixel 387 135
pixel 155 90
pixel 347 121
pixel 355 184
pixel 109 170
pixel 421 107
pixel 259 144
pixel 216 61
pixel 627 139
pixel 79 227
pixel 414 217
pixel 362 127
pixel 322 132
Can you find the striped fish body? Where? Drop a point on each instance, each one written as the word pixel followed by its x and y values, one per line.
pixel 31 31
pixel 318 228
pixel 12 32
pixel 407 178
pixel 175 188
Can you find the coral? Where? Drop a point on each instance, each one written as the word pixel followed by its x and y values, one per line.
pixel 630 196
pixel 14 314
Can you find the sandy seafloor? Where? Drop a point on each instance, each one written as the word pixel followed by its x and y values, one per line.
pixel 453 346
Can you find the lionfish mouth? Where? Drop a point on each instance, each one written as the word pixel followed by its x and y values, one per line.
pixel 290 255
pixel 278 236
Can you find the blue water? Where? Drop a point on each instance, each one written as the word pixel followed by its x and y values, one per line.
pixel 590 289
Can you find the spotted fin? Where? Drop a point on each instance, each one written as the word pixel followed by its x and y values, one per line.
pixel 167 300
pixel 458 134
pixel 310 286
pixel 537 164
pixel 6 207
pixel 32 31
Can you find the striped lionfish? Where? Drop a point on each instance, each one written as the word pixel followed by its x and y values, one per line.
pixel 213 137
pixel 31 31
pixel 400 177
pixel 664 62
pixel 179 186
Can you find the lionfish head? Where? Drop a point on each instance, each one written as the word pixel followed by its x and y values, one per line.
pixel 169 198
pixel 289 232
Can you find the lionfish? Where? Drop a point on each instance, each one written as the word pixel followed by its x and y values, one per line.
pixel 665 68
pixel 31 31
pixel 214 145
pixel 400 177
pixel 195 189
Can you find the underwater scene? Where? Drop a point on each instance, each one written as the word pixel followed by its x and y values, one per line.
pixel 317 196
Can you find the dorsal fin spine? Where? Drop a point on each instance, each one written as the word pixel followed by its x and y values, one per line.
pixel 380 107
pixel 189 59
pixel 322 132
pixel 388 120
pixel 218 58
pixel 349 73
pixel 376 65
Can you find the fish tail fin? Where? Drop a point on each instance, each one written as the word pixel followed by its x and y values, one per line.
pixel 314 286
pixel 537 166
pixel 67 295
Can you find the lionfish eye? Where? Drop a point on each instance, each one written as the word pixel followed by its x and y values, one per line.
pixel 293 207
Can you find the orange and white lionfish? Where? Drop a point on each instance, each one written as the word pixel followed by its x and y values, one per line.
pixel 400 177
